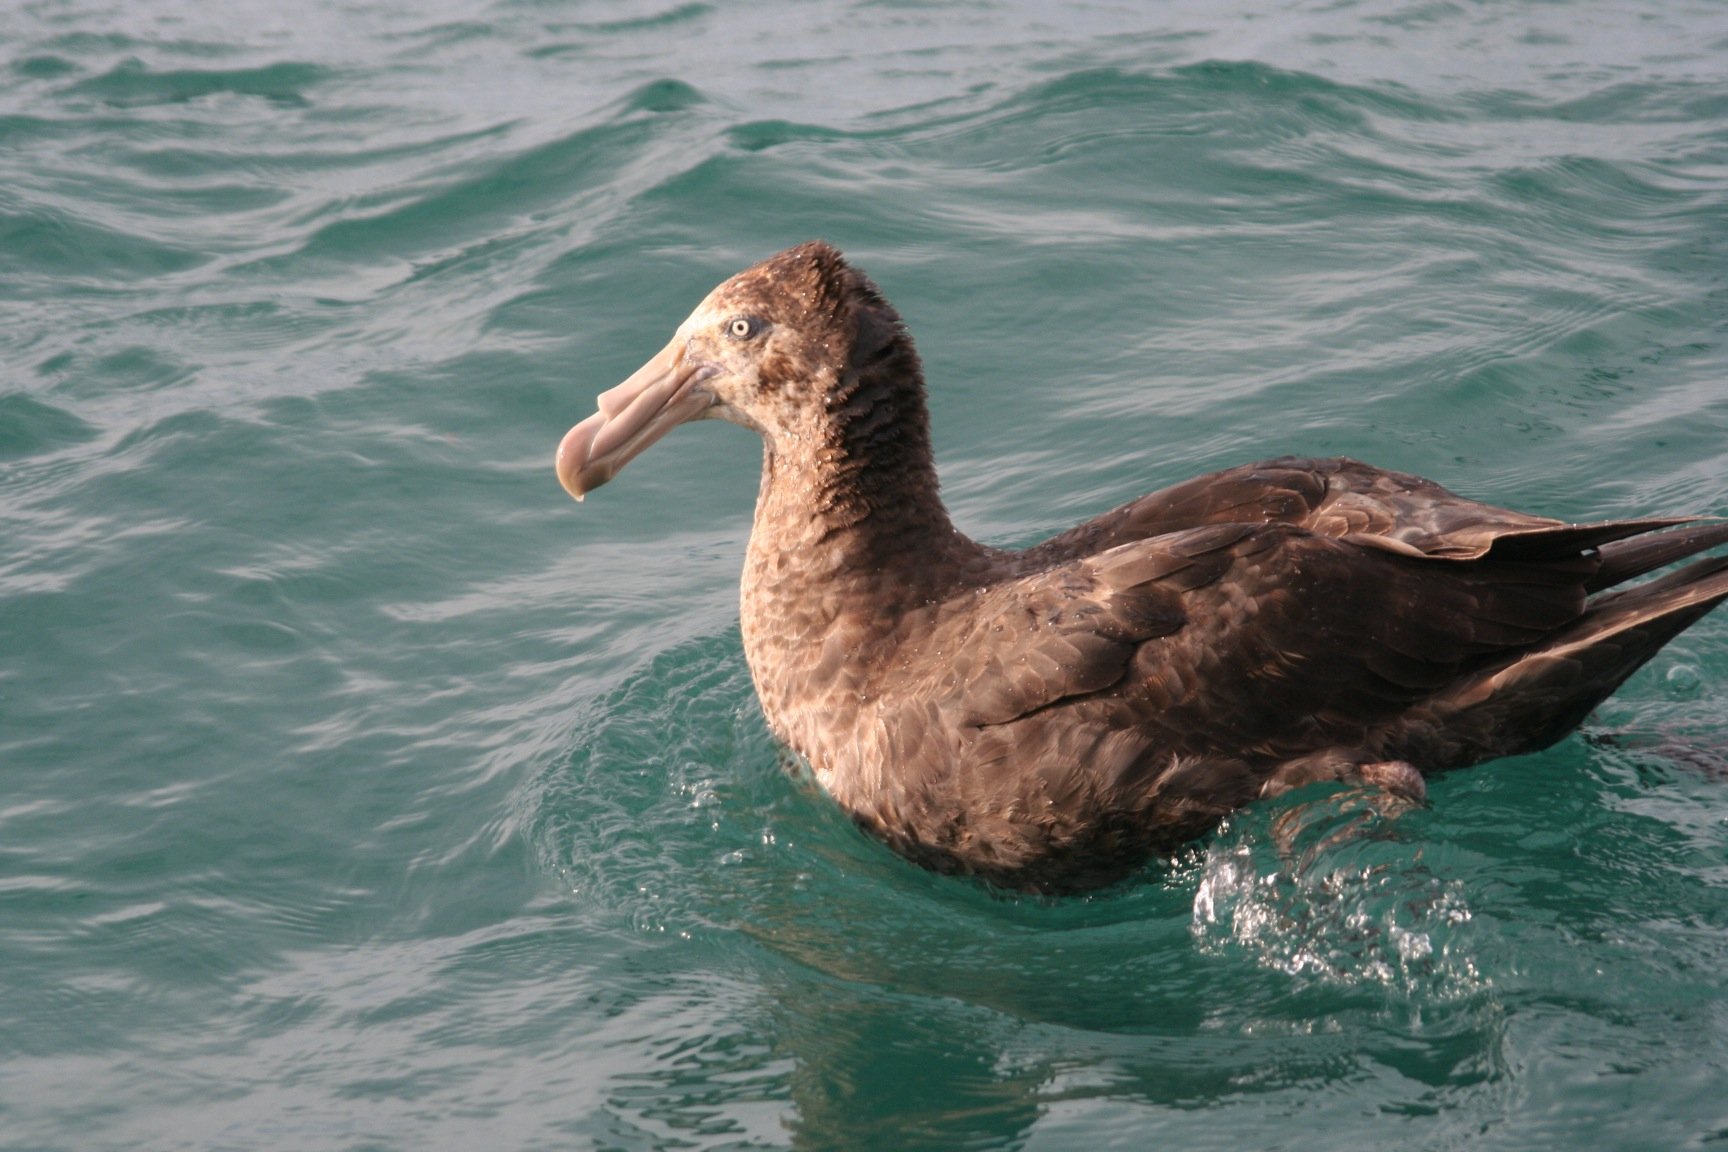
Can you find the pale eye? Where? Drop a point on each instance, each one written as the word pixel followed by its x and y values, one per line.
pixel 742 327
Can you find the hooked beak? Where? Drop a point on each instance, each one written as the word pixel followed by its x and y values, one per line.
pixel 657 397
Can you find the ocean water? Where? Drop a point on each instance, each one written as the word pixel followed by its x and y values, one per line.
pixel 358 790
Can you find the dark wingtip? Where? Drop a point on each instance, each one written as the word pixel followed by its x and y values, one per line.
pixel 1624 560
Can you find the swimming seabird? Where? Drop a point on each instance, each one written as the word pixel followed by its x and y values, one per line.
pixel 1048 719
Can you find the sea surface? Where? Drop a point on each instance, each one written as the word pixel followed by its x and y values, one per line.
pixel 360 791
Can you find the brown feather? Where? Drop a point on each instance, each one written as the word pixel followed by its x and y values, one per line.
pixel 1048 718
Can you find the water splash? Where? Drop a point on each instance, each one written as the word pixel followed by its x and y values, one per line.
pixel 1329 892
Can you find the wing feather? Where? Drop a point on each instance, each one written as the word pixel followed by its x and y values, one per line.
pixel 1249 634
pixel 1391 511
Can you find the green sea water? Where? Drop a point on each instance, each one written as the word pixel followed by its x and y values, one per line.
pixel 358 790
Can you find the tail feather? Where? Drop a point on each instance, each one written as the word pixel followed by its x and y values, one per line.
pixel 1546 691
pixel 1655 611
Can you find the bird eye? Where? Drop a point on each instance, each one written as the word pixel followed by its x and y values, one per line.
pixel 742 327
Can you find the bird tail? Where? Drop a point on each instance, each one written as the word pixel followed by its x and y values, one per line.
pixel 1543 693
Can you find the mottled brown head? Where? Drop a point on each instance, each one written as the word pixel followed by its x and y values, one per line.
pixel 800 347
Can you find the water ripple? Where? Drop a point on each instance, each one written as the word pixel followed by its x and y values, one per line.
pixel 359 790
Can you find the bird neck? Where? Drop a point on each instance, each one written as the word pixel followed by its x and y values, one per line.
pixel 857 492
pixel 850 537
